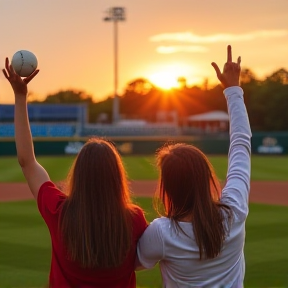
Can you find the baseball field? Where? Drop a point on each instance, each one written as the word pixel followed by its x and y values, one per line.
pixel 25 243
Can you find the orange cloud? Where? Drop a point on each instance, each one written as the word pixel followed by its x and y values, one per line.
pixel 189 37
pixel 181 48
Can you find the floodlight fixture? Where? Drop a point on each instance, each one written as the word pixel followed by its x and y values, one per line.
pixel 115 15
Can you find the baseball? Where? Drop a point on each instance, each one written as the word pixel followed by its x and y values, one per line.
pixel 24 63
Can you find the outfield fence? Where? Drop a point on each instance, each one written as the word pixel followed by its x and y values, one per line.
pixel 264 143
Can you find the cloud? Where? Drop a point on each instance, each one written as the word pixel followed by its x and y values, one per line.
pixel 181 48
pixel 189 37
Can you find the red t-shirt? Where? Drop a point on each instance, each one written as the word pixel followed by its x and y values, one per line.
pixel 65 273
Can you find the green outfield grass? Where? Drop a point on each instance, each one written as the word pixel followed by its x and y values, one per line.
pixel 266 168
pixel 25 242
pixel 25 247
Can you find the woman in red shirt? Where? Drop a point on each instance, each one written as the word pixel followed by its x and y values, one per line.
pixel 94 227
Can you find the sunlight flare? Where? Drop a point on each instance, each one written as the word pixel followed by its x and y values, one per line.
pixel 164 80
pixel 166 77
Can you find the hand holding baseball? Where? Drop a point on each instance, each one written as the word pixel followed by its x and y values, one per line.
pixel 19 85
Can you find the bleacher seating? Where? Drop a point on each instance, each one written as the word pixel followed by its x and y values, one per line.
pixel 41 130
pixel 114 130
pixel 46 120
pixel 68 120
pixel 48 113
pixel 6 130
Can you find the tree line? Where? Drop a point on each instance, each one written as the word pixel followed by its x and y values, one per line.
pixel 266 101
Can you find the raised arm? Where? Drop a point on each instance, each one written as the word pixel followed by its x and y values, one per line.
pixel 34 173
pixel 236 190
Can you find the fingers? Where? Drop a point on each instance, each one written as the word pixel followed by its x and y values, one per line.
pixel 12 69
pixel 7 68
pixel 231 70
pixel 217 70
pixel 30 77
pixel 239 60
pixel 229 54
pixel 7 63
pixel 5 73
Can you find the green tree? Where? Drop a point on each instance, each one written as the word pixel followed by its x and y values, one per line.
pixel 69 96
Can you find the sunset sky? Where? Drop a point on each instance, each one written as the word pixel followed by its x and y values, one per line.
pixel 160 40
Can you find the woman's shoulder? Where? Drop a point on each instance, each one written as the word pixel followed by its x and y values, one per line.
pixel 50 189
pixel 158 228
pixel 160 224
pixel 161 221
pixel 135 209
pixel 137 213
pixel 139 222
pixel 50 197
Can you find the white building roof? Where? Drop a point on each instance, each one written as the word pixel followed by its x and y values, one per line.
pixel 210 116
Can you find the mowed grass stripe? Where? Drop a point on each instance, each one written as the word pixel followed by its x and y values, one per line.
pixel 140 167
pixel 25 246
pixel 266 250
pixel 270 168
pixel 264 168
pixel 10 170
pixel 267 274
pixel 12 276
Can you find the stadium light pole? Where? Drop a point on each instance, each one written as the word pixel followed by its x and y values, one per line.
pixel 115 14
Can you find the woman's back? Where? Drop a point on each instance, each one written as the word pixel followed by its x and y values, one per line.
pixel 180 264
pixel 181 241
pixel 66 273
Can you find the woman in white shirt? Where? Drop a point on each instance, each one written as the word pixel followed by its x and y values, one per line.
pixel 199 242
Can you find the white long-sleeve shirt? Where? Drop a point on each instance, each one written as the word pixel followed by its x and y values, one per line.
pixel 177 254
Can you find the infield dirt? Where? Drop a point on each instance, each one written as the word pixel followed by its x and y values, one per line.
pixel 275 193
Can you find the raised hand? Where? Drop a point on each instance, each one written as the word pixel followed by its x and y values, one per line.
pixel 231 71
pixel 19 85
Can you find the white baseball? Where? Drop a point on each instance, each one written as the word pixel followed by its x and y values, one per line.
pixel 24 63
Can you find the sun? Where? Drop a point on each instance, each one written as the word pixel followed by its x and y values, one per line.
pixel 166 77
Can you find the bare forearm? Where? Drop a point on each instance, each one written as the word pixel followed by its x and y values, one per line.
pixel 23 137
pixel 34 173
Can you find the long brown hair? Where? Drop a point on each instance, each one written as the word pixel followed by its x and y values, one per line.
pixel 96 218
pixel 188 187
